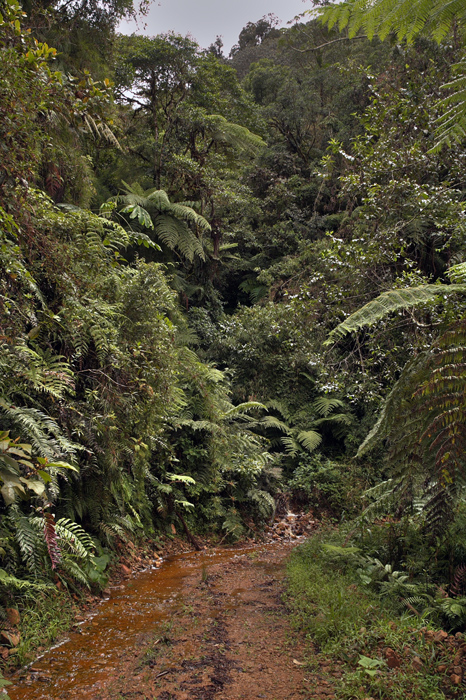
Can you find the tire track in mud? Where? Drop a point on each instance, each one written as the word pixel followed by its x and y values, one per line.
pixel 232 640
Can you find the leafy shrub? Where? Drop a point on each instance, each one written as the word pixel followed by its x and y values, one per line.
pixel 329 484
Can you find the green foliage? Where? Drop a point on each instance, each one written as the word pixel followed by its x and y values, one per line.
pixel 389 302
pixel 407 21
pixel 45 616
pixel 329 484
pixel 351 625
pixel 395 16
pixel 273 210
pixel 170 221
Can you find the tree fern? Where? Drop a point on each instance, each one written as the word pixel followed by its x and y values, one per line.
pixel 234 135
pixel 309 439
pixel 424 420
pixel 171 222
pixel 176 236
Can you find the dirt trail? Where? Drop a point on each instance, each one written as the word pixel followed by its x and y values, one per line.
pixel 231 640
pixel 207 625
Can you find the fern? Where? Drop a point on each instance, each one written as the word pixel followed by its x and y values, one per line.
pixel 309 439
pixel 74 570
pixel 31 542
pixel 43 432
pixel 72 537
pixel 171 222
pixel 458 584
pixel 11 583
pixel 424 421
pixel 234 135
pixel 454 609
pixel 264 502
pixel 48 373
pixel 406 20
pixel 389 302
pixel 324 405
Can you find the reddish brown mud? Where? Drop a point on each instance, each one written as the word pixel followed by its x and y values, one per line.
pixel 204 626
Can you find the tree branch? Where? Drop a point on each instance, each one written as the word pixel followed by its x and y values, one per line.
pixel 327 43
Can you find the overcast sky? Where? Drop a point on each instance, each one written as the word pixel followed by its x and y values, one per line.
pixel 205 19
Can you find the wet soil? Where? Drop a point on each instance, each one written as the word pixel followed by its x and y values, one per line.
pixel 204 626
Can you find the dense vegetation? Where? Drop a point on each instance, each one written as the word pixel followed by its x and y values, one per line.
pixel 223 278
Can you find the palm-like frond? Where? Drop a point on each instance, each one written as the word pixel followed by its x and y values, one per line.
pixel 457 273
pixel 424 419
pixel 451 124
pixel 234 135
pixel 324 405
pixel 291 446
pixel 388 302
pixel 404 18
pixel 172 222
pixel 177 236
pixel 309 439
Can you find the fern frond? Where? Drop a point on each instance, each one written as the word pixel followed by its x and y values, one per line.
pixel 309 439
pixel 73 537
pixel 41 430
pixel 324 405
pixel 235 135
pixel 403 18
pixel 29 536
pixel 291 446
pixel 11 583
pixel 388 302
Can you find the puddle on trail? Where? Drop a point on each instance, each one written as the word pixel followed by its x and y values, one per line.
pixel 82 664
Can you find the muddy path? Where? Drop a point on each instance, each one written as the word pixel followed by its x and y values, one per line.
pixel 205 626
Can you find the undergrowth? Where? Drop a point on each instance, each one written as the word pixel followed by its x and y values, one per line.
pixel 43 620
pixel 349 622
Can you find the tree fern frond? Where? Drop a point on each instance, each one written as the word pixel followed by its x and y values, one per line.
pixel 457 273
pixel 235 135
pixel 324 405
pixel 337 418
pixel 244 408
pixel 406 385
pixel 407 20
pixel 279 406
pixel 403 18
pixel 309 439
pixel 291 445
pixel 273 422
pixel 388 302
